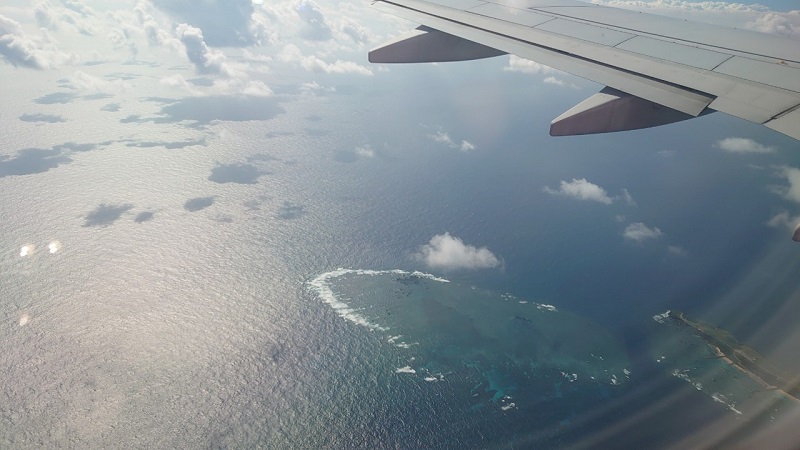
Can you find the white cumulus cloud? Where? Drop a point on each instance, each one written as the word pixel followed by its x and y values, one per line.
pixel 292 54
pixel 792 175
pixel 581 189
pixel 752 16
pixel 21 50
pixel 448 252
pixel 639 232
pixel 742 145
pixel 204 59
pixel 517 64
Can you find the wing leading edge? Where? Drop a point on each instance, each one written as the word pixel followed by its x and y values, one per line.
pixel 657 70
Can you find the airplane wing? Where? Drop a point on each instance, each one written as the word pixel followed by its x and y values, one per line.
pixel 656 70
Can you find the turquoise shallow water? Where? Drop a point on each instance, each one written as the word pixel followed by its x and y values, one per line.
pixel 505 357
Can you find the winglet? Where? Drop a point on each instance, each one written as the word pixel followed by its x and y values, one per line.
pixel 612 110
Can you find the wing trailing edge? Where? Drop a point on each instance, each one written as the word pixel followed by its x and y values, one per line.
pixel 612 110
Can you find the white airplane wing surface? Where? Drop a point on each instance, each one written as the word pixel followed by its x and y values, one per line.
pixel 656 70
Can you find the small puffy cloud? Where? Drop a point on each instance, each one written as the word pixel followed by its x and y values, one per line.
pixel 522 65
pixel 517 64
pixel 639 232
pixel 792 175
pixel 784 220
pixel 365 151
pixel 448 252
pixel 444 138
pixel 581 189
pixel 676 250
pixel 742 145
pixel 628 198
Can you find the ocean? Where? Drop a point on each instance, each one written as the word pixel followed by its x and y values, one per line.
pixel 183 286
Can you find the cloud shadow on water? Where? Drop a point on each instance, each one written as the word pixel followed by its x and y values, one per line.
pixel 41 118
pixel 235 173
pixel 291 211
pixel 198 203
pixel 204 110
pixel 144 216
pixel 105 215
pixel 97 96
pixel 31 161
pixel 56 97
pixel 168 145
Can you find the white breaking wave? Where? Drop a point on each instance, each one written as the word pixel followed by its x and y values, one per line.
pixel 660 318
pixel 406 369
pixel 699 386
pixel 321 286
pixel 545 307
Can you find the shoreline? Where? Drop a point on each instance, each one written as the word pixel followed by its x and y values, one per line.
pixel 741 357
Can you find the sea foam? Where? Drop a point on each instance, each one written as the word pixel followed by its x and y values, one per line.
pixel 321 286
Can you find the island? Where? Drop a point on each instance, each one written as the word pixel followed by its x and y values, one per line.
pixel 742 357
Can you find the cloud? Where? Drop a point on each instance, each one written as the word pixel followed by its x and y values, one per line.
pixel 292 54
pixel 517 64
pixel 365 151
pixel 204 59
pixel 742 145
pixel 316 27
pixel 444 138
pixel 628 198
pixel 22 51
pixel 787 24
pixel 792 175
pixel 448 252
pixel 754 16
pixel 677 250
pixel 784 220
pixel 522 65
pixel 639 232
pixel 85 82
pixel 581 189
pixel 291 211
